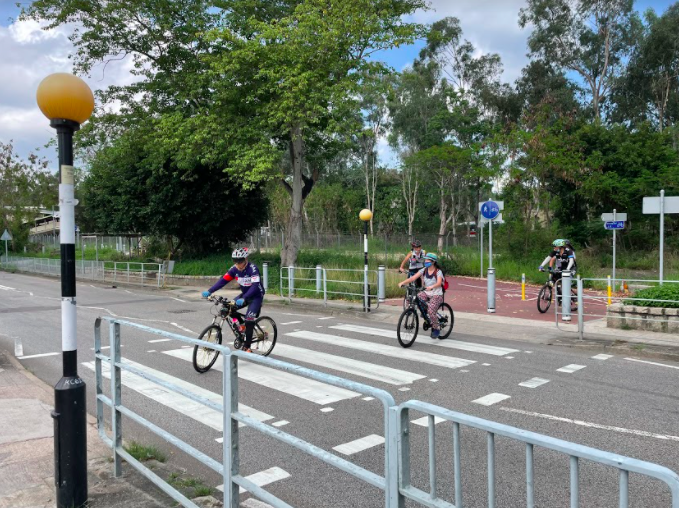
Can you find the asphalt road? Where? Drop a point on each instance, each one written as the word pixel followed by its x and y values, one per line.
pixel 613 403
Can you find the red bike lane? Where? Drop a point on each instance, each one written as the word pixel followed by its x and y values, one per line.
pixel 469 294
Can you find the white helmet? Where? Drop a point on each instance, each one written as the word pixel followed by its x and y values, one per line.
pixel 241 253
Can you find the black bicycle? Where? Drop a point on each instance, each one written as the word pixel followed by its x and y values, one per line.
pixel 263 337
pixel 552 285
pixel 409 322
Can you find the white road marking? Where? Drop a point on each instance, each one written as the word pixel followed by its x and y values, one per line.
pixel 602 357
pixel 509 357
pixel 372 371
pixel 454 344
pixel 184 329
pixel 404 389
pixel 463 370
pixel 263 478
pixel 291 323
pixel 491 398
pixel 36 356
pixel 292 384
pixel 534 382
pixel 179 300
pixel 291 314
pixel 329 317
pixel 359 444
pixel 569 369
pixel 280 423
pixel 652 363
pixel 424 421
pixel 622 430
pixel 381 349
pixel 529 352
pixel 179 403
pixel 368 398
pixel 159 340
pixel 18 347
pixel 319 326
pixel 152 351
pixel 434 380
pixel 7 288
pixel 327 409
pixel 486 364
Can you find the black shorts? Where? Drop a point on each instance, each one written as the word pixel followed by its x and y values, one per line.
pixel 418 281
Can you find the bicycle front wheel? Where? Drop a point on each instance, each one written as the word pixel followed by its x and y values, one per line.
pixel 446 320
pixel 204 357
pixel 545 298
pixel 264 336
pixel 408 326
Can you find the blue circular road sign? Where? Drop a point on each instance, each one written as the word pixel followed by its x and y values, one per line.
pixel 490 210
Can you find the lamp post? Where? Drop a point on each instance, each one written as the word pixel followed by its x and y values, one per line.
pixel 67 101
pixel 365 216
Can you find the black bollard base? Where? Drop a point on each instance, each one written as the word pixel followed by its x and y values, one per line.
pixel 70 442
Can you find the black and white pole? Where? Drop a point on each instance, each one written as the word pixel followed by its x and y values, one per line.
pixel 365 216
pixel 67 101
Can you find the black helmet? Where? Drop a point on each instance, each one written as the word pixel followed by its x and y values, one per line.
pixel 416 243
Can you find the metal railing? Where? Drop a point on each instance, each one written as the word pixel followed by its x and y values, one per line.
pixel 342 284
pixel 396 480
pixel 624 465
pixel 144 274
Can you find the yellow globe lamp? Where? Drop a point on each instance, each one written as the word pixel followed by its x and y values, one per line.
pixel 365 215
pixel 63 96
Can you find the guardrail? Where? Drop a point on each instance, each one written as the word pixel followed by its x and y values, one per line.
pixel 144 274
pixel 368 285
pixel 396 480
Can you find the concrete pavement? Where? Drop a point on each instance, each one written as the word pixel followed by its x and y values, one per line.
pixel 601 394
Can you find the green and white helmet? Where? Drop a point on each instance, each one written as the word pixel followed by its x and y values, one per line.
pixel 559 242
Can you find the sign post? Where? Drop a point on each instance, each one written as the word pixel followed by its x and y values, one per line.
pixel 7 238
pixel 614 221
pixel 490 211
pixel 661 205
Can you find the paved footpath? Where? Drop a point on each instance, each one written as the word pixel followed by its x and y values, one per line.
pixel 599 392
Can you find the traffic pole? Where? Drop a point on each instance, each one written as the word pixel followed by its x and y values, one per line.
pixel 523 287
pixel 609 289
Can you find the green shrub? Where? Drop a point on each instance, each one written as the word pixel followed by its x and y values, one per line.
pixel 665 292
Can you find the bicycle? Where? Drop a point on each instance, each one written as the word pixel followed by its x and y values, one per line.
pixel 263 337
pixel 546 292
pixel 409 322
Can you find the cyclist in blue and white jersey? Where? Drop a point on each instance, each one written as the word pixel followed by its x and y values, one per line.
pixel 251 288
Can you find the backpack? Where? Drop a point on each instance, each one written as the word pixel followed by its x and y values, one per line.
pixel 445 281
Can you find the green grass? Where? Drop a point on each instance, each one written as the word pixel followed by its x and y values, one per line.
pixel 143 453
pixel 194 487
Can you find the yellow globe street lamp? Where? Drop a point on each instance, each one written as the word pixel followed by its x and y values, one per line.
pixel 365 215
pixel 67 101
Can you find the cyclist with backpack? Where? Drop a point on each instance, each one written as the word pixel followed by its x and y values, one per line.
pixel 415 260
pixel 433 281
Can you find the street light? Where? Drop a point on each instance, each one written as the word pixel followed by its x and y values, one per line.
pixel 365 216
pixel 67 101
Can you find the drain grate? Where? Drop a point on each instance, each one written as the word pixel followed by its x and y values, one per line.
pixel 183 311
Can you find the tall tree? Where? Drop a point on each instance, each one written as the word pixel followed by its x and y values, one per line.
pixel 589 37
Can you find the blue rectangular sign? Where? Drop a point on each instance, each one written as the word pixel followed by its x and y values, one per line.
pixel 618 224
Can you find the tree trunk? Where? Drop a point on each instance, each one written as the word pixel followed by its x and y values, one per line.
pixel 293 237
pixel 443 218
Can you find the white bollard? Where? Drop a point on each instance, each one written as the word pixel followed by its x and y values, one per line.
pixel 491 290
pixel 265 275
pixel 566 279
pixel 319 278
pixel 381 283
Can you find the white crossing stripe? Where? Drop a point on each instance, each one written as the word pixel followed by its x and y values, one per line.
pixel 651 363
pixel 263 478
pixel 359 444
pixel 327 409
pixel 569 369
pixel 159 340
pixel 622 430
pixel 179 403
pixel 424 421
pixel 453 344
pixel 36 356
pixel 291 323
pixel 491 398
pixel 534 382
pixel 280 423
pixel 449 362
pixel 372 371
pixel 292 384
pixel 602 357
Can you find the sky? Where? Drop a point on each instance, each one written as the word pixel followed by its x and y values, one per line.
pixel 29 54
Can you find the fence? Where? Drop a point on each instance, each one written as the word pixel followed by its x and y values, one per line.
pixel 620 310
pixel 143 274
pixel 365 285
pixel 396 480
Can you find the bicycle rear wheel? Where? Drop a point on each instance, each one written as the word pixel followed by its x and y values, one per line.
pixel 446 320
pixel 544 298
pixel 264 336
pixel 408 326
pixel 204 357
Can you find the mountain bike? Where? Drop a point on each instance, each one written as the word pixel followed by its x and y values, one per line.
pixel 552 285
pixel 226 311
pixel 409 322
